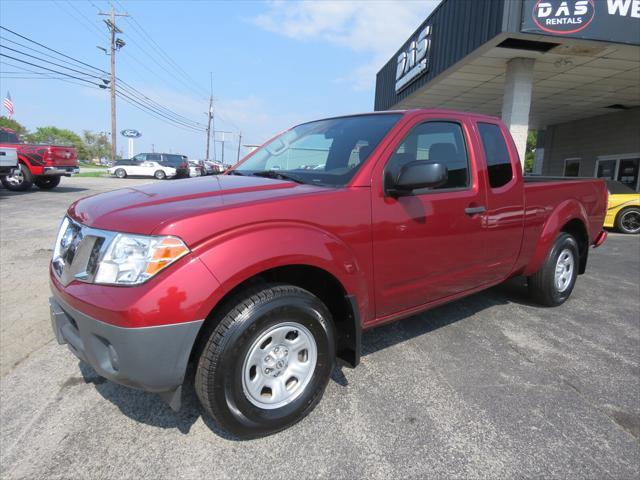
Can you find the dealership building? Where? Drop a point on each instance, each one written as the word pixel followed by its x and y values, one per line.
pixel 569 69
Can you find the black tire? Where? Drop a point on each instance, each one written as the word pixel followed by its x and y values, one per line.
pixel 160 175
pixel 19 182
pixel 47 182
pixel 628 220
pixel 219 374
pixel 542 284
pixel 120 173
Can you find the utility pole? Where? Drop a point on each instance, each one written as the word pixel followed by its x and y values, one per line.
pixel 239 143
pixel 209 115
pixel 116 44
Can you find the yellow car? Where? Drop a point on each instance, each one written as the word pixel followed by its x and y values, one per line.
pixel 623 211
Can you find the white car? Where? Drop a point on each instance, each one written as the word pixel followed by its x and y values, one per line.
pixel 123 168
pixel 195 169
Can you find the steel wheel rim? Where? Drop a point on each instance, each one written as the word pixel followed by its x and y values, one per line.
pixel 630 221
pixel 564 270
pixel 279 365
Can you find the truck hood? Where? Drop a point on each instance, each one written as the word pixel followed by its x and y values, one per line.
pixel 147 209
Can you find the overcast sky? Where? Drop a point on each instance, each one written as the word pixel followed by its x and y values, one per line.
pixel 274 63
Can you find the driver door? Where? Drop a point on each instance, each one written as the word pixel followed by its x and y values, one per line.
pixel 427 245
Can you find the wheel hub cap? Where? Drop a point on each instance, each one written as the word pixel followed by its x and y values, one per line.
pixel 631 221
pixel 564 270
pixel 276 361
pixel 279 365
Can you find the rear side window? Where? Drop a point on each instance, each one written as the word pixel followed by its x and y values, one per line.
pixel 441 142
pixel 496 153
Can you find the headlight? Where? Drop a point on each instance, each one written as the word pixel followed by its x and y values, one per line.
pixel 133 259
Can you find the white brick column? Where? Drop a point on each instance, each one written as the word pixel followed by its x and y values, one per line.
pixel 516 101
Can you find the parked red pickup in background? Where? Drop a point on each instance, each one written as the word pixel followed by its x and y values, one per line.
pixel 42 165
pixel 265 276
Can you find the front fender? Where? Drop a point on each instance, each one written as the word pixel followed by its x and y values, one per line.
pixel 242 253
pixel 558 218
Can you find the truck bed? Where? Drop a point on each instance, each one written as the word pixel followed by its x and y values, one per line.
pixel 543 195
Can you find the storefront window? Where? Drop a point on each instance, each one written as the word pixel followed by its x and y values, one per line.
pixel 628 172
pixel 623 170
pixel 572 167
pixel 606 169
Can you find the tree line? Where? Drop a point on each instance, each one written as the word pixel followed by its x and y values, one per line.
pixel 89 145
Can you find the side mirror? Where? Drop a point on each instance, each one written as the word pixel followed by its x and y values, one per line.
pixel 416 175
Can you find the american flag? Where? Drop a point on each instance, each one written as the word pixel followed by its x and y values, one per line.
pixel 8 104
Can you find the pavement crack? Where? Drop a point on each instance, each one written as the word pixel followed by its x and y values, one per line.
pixel 520 352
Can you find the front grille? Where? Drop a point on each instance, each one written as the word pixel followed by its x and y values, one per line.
pixel 78 251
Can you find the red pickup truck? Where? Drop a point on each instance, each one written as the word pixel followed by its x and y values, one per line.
pixel 42 165
pixel 264 277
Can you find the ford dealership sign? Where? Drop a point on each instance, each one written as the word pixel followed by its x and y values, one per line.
pixel 130 133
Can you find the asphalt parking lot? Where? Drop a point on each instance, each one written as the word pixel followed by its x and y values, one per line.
pixel 487 387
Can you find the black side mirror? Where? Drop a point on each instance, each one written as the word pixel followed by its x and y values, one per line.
pixel 415 175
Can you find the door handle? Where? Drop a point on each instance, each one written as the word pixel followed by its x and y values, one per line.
pixel 475 210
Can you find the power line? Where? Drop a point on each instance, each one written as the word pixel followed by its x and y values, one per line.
pixel 170 61
pixel 130 88
pixel 48 61
pixel 49 69
pixel 126 92
pixel 51 49
pixel 154 113
pixel 79 20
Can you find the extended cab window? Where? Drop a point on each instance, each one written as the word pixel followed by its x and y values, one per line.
pixel 437 142
pixel 496 153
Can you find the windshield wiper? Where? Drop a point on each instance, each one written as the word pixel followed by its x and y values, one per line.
pixel 235 172
pixel 279 175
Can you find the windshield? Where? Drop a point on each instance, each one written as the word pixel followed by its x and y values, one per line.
pixel 327 152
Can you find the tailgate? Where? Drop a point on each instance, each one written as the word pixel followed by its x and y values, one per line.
pixel 8 157
pixel 63 156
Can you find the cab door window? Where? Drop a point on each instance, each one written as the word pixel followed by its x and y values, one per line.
pixel 437 142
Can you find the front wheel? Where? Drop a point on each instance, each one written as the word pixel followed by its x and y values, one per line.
pixel 266 364
pixel 47 183
pixel 553 283
pixel 628 220
pixel 120 173
pixel 19 180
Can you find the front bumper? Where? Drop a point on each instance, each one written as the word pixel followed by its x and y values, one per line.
pixel 153 359
pixel 67 171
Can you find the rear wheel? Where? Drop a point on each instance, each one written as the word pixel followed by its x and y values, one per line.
pixel 160 175
pixel 19 180
pixel 553 283
pixel 628 220
pixel 47 183
pixel 266 364
pixel 120 173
